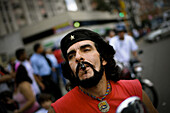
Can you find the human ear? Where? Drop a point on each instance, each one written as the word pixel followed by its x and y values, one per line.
pixel 104 62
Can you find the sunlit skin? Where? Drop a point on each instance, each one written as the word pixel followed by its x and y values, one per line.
pixel 86 51
pixel 83 51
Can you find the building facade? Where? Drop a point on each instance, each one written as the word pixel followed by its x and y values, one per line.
pixel 24 22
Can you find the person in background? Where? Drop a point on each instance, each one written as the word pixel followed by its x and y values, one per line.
pixel 54 63
pixel 58 54
pixel 11 65
pixel 92 71
pixel 22 59
pixel 24 93
pixel 135 33
pixel 109 35
pixel 124 45
pixel 43 68
pixel 45 101
pixel 5 76
pixel 7 104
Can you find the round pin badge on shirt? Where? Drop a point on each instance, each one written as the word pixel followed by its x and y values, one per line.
pixel 104 106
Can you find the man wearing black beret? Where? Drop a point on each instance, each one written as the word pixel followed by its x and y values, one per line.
pixel 94 76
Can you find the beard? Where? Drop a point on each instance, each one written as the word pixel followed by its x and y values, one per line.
pixel 92 81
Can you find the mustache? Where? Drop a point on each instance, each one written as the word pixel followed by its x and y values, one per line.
pixel 82 65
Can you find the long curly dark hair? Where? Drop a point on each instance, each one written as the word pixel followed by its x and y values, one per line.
pixel 111 69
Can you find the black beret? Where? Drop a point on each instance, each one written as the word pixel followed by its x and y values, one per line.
pixel 79 35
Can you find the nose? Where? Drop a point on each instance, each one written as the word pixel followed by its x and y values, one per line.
pixel 79 57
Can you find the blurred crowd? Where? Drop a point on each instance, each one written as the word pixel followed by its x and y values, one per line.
pixel 136 33
pixel 31 84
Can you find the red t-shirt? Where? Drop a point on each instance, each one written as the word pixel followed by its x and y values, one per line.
pixel 58 54
pixel 76 101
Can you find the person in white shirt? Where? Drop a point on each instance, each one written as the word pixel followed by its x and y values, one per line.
pixel 124 45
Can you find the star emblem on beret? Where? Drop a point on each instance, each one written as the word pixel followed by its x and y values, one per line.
pixel 72 37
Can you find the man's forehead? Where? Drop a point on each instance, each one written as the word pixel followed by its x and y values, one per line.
pixel 77 45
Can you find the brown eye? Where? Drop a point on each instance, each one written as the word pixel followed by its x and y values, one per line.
pixel 86 50
pixel 71 56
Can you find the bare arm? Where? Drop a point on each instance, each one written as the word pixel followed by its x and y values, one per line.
pixel 6 78
pixel 148 103
pixel 25 89
pixel 38 79
pixel 134 53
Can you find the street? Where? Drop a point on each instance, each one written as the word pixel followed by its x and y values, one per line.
pixel 156 61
